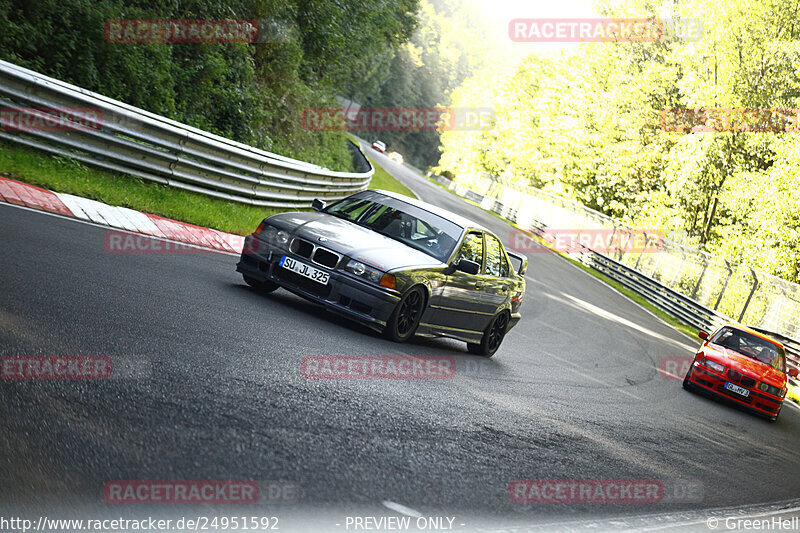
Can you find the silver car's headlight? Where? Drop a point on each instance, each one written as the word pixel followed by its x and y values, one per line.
pixel 274 236
pixel 364 271
pixel 372 274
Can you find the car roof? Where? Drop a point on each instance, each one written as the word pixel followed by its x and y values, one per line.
pixel 741 327
pixel 444 213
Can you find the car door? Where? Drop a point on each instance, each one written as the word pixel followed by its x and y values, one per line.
pixel 460 305
pixel 494 285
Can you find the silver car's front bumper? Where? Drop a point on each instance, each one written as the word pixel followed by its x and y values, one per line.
pixel 344 293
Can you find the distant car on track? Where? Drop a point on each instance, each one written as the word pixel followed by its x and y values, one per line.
pixel 398 265
pixel 396 157
pixel 379 146
pixel 744 366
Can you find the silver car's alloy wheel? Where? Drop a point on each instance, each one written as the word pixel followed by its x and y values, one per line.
pixel 406 316
pixel 492 337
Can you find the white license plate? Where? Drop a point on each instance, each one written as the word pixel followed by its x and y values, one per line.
pixel 320 276
pixel 737 389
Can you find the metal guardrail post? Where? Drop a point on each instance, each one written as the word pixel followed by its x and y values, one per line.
pixel 655 267
pixel 700 279
pixel 750 296
pixel 678 270
pixel 613 234
pixel 725 285
pixel 646 242
pixel 625 246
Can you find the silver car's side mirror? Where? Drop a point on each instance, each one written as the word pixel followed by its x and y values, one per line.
pixel 467 266
pixel 317 205
pixel 521 259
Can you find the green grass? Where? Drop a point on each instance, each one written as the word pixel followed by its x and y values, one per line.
pixel 65 175
pixel 686 329
pixel 382 180
pixel 793 393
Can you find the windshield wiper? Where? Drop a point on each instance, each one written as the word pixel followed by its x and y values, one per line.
pixel 338 215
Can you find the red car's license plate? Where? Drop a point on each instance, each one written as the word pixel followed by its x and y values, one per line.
pixel 737 389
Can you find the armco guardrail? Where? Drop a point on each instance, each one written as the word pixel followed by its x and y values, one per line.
pixel 675 303
pixel 671 301
pixel 733 290
pixel 127 139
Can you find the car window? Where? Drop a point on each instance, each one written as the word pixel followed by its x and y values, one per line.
pixel 411 225
pixel 350 208
pixel 423 230
pixel 751 345
pixel 472 248
pixel 380 216
pixel 496 261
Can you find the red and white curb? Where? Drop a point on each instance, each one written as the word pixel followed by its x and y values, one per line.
pixel 16 192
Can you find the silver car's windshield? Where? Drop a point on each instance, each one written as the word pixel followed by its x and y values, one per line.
pixel 415 227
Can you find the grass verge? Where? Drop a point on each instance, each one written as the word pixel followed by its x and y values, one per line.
pixel 382 180
pixel 686 329
pixel 65 175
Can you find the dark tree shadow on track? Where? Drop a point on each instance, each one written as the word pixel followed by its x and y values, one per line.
pixel 295 303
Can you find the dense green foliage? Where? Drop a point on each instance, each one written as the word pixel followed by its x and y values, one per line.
pixel 582 121
pixel 585 122
pixel 307 52
pixel 450 44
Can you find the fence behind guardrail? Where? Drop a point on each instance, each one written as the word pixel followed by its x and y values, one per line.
pixel 700 289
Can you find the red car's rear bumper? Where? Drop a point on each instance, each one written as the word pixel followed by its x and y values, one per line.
pixel 714 382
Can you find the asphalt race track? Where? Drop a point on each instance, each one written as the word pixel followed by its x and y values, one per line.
pixel 207 386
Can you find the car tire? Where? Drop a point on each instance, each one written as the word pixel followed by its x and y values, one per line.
pixel 265 286
pixel 492 337
pixel 774 418
pixel 406 316
pixel 686 383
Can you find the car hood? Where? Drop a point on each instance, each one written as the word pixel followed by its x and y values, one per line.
pixel 353 240
pixel 740 363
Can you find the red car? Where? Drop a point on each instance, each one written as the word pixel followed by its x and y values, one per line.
pixel 742 365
